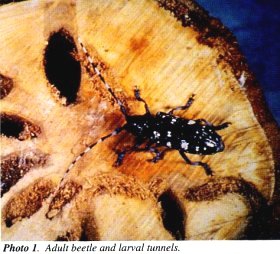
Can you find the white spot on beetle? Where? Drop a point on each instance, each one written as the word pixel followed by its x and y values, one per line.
pixel 191 122
pixel 197 148
pixel 210 143
pixel 173 121
pixel 169 134
pixel 156 134
pixel 184 144
pixel 168 144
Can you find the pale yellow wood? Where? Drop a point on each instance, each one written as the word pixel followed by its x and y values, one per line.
pixel 225 218
pixel 129 219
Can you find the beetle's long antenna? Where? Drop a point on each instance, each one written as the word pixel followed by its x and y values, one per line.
pixel 88 148
pixel 108 87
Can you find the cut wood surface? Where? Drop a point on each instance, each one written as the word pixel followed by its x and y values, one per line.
pixel 51 109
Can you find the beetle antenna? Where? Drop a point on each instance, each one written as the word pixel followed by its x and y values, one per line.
pixel 108 87
pixel 87 149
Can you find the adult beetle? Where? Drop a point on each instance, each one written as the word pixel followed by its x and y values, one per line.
pixel 162 130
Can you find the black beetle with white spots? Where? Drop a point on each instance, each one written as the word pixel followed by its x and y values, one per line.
pixel 162 132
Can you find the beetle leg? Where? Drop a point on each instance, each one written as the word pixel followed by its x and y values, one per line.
pixel 132 149
pixel 138 97
pixel 186 106
pixel 203 121
pixel 222 126
pixel 159 154
pixel 207 169
pixel 122 153
pixel 217 127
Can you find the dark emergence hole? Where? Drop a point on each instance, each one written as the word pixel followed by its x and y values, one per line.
pixel 6 85
pixel 172 215
pixel 61 68
pixel 8 223
pixel 11 126
pixel 2 2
